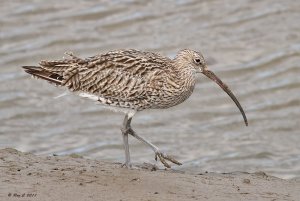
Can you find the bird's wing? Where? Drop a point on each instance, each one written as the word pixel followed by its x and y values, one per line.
pixel 120 76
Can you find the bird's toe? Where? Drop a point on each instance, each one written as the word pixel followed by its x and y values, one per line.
pixel 164 158
pixel 127 165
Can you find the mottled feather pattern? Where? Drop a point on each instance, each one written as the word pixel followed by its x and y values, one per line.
pixel 125 78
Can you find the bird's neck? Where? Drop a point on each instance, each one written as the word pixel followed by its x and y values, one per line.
pixel 180 83
pixel 185 74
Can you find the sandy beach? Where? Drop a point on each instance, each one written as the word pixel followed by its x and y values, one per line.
pixel 25 176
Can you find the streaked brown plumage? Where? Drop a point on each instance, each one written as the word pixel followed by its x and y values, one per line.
pixel 131 81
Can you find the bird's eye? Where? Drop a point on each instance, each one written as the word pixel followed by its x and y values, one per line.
pixel 197 60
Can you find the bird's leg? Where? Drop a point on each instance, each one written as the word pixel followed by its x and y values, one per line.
pixel 125 133
pixel 162 157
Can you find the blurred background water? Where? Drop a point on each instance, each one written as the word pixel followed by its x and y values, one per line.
pixel 254 47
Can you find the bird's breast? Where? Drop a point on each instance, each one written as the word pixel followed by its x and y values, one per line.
pixel 173 93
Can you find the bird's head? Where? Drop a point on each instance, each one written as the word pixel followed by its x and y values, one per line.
pixel 195 61
pixel 192 60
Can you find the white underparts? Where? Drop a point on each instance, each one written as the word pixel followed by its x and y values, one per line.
pixel 89 96
pixel 104 103
pixel 62 95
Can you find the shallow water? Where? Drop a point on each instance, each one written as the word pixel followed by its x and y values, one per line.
pixel 254 46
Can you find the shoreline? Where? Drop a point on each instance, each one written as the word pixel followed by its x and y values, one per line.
pixel 25 176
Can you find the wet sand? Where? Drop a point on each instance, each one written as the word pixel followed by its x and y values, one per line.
pixel 76 178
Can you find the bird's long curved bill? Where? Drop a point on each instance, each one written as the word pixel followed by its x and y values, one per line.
pixel 217 80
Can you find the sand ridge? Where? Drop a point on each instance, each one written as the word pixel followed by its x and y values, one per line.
pixel 24 176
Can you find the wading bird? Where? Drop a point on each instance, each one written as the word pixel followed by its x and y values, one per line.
pixel 130 81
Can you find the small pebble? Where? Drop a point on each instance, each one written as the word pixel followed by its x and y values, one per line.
pixel 135 179
pixel 246 181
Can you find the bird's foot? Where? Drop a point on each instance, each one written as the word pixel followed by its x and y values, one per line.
pixel 127 165
pixel 163 158
pixel 130 166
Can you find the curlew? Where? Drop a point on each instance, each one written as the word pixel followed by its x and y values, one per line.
pixel 130 81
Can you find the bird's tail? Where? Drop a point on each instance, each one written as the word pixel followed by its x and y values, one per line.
pixel 39 72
